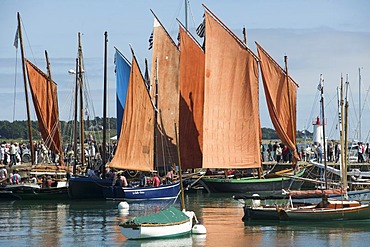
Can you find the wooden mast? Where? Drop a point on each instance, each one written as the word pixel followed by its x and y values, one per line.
pixel 105 103
pixel 294 160
pixel 75 122
pixel 345 148
pixel 323 130
pixel 26 90
pixel 61 156
pixel 180 172
pixel 82 127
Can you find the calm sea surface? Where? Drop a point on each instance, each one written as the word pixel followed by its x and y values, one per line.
pixel 95 223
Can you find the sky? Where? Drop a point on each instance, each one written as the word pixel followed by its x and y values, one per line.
pixel 328 37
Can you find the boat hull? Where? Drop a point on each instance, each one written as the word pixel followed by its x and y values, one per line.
pixel 162 192
pixel 87 188
pixel 146 231
pixel 326 214
pixel 260 213
pixel 246 185
pixel 32 192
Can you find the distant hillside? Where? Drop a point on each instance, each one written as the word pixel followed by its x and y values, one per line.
pixel 19 130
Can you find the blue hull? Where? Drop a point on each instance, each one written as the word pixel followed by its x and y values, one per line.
pixel 87 188
pixel 163 192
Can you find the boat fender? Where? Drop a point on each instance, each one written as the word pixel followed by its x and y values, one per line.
pixel 256 201
pixel 199 229
pixel 123 205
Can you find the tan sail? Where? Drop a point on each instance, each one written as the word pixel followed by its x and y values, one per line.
pixel 192 61
pixel 281 99
pixel 231 129
pixel 136 146
pixel 45 100
pixel 166 53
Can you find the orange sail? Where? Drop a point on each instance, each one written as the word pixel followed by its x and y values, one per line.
pixel 192 61
pixel 135 146
pixel 281 94
pixel 231 128
pixel 165 71
pixel 45 100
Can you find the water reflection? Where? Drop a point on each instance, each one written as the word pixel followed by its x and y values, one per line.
pixel 85 223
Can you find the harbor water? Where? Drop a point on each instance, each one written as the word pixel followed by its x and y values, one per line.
pixel 95 223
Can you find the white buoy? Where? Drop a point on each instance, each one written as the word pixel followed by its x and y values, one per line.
pixel 256 201
pixel 123 205
pixel 199 229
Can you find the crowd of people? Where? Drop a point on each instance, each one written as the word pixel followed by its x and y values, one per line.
pixel 279 152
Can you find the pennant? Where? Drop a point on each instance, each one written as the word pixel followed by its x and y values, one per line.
pixel 16 38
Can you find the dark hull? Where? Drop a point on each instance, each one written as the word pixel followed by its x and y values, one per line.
pixel 163 192
pixel 269 185
pixel 25 192
pixel 87 188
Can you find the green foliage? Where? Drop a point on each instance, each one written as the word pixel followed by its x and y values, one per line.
pixel 19 129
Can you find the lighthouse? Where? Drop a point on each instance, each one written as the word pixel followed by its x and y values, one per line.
pixel 318 136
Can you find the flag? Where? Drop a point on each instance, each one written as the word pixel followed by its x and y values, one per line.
pixel 16 38
pixel 201 28
pixel 178 39
pixel 146 76
pixel 150 41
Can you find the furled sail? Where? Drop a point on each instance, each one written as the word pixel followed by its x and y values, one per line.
pixel 123 68
pixel 165 71
pixel 135 146
pixel 192 61
pixel 231 127
pixel 45 100
pixel 281 94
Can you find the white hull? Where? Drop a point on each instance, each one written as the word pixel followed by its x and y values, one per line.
pixel 158 231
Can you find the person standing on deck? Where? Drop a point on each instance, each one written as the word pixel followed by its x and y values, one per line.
pixel 16 177
pixel 319 153
pixel 155 180
pixel 13 152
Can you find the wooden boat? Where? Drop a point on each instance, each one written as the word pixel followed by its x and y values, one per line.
pixel 170 222
pixel 327 210
pixel 271 185
pixel 34 192
pixel 146 132
pixel 162 192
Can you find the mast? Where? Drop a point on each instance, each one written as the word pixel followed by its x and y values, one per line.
pixel 180 172
pixel 294 160
pixel 186 14
pixel 359 104
pixel 75 122
pixel 82 128
pixel 105 102
pixel 323 129
pixel 59 134
pixel 26 91
pixel 342 130
pixel 345 138
pixel 156 114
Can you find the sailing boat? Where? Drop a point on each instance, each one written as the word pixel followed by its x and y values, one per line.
pixel 44 94
pixel 327 209
pixel 145 132
pixel 231 125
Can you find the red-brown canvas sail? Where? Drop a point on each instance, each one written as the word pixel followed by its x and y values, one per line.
pixel 45 100
pixel 231 126
pixel 136 146
pixel 281 99
pixel 192 61
pixel 165 70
